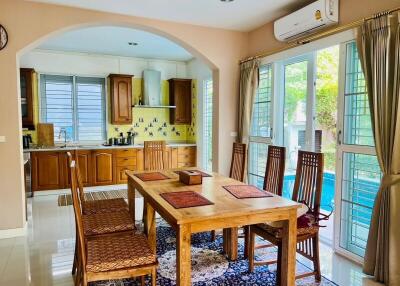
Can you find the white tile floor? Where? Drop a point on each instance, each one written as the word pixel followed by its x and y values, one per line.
pixel 44 256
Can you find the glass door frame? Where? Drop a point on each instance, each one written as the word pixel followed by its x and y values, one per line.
pixel 341 149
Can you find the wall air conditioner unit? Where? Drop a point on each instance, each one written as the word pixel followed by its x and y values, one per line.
pixel 317 15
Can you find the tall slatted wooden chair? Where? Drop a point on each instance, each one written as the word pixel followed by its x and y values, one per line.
pixel 275 170
pixel 273 183
pixel 155 155
pixel 238 163
pixel 155 158
pixel 307 190
pixel 110 257
pixel 98 223
pixel 238 166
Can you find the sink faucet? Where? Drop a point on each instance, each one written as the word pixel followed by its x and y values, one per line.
pixel 63 131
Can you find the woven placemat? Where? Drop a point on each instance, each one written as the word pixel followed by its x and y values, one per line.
pixel 153 176
pixel 246 192
pixel 186 199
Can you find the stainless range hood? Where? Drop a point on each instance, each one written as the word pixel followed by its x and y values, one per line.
pixel 152 87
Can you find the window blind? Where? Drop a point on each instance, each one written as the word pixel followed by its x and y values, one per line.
pixel 57 103
pixel 76 104
pixel 90 106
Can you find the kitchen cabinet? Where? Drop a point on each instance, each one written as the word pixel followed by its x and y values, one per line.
pixel 103 168
pixel 85 166
pixel 172 157
pixel 180 95
pixel 125 160
pixel 187 156
pixel 47 170
pixel 84 163
pixel 50 170
pixel 26 85
pixel 121 99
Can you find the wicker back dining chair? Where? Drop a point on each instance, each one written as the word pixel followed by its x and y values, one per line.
pixel 275 170
pixel 238 163
pixel 127 255
pixel 101 217
pixel 307 190
pixel 155 157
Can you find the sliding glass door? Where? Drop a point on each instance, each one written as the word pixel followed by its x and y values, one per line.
pixel 298 113
pixel 358 173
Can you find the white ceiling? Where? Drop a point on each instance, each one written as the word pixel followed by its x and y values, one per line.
pixel 114 41
pixel 242 15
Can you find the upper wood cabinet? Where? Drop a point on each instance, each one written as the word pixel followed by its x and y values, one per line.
pixel 121 99
pixel 26 84
pixel 180 95
pixel 103 168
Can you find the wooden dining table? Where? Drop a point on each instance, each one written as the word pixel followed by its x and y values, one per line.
pixel 227 212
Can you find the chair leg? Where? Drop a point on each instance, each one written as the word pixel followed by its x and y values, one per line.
pixel 144 211
pixel 75 256
pixel 154 277
pixel 252 239
pixel 316 263
pixel 246 241
pixel 213 235
pixel 279 265
pixel 142 280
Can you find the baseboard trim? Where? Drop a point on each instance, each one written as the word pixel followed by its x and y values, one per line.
pixel 13 232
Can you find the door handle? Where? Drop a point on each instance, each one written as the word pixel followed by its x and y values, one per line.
pixel 339 137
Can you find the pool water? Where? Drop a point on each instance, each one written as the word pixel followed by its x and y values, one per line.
pixel 328 190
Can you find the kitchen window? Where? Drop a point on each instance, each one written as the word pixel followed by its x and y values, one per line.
pixel 75 105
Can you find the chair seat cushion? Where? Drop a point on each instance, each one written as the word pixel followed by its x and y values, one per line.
pixel 306 224
pixel 104 206
pixel 104 223
pixel 118 252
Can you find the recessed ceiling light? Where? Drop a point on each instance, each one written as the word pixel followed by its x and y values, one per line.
pixel 132 44
pixel 226 1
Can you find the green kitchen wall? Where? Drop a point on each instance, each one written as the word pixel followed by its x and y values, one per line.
pixel 148 123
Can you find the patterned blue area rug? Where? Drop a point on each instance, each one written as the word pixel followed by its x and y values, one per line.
pixel 209 265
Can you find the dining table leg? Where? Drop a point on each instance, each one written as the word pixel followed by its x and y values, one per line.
pixel 289 241
pixel 230 243
pixel 183 256
pixel 150 226
pixel 131 200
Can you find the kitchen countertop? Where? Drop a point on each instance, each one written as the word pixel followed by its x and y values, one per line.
pixel 99 147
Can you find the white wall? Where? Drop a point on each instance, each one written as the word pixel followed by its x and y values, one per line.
pixel 197 70
pixel 84 64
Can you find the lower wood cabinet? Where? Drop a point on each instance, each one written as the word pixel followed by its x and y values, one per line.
pixel 50 170
pixel 47 170
pixel 103 167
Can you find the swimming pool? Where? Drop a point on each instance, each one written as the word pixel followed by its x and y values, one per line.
pixel 360 192
pixel 328 190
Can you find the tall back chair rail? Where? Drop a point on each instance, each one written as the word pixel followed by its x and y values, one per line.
pixel 154 155
pixel 238 163
pixel 275 170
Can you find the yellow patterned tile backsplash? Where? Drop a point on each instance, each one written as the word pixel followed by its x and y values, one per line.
pixel 148 123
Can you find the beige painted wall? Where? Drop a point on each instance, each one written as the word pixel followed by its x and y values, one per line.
pixel 30 23
pixel 263 39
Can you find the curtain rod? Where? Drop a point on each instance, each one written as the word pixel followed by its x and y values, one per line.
pixel 318 36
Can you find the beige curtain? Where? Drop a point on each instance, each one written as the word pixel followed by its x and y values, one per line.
pixel 248 91
pixel 379 48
